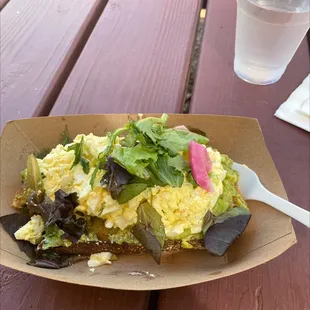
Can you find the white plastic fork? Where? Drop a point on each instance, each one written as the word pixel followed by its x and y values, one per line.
pixel 252 189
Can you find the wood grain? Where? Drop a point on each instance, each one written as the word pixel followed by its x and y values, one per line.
pixel 136 60
pixel 282 284
pixel 40 41
pixel 22 291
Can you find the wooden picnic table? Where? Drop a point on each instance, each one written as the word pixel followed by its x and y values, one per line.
pixel 96 56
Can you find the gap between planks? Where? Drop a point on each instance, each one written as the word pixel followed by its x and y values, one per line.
pixel 194 61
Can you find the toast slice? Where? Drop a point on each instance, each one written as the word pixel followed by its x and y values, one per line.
pixel 124 248
pixel 129 248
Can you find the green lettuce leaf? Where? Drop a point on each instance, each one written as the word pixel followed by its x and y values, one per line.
pixel 175 141
pixel 85 165
pixel 131 137
pixel 152 126
pixel 130 140
pixel 78 151
pixel 134 159
pixel 108 150
pixel 52 237
pixel 172 140
pixel 166 173
pixel 93 175
pixel 151 152
pixel 178 163
pixel 130 191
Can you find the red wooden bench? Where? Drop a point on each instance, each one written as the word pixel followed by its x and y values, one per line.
pixel 70 56
pixel 136 60
pixel 40 42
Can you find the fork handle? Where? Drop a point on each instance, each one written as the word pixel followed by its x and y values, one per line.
pixel 299 214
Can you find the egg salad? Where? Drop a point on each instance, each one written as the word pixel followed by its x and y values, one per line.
pixel 98 259
pixel 32 231
pixel 145 186
pixel 181 208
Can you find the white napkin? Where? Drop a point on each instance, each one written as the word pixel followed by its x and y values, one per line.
pixel 296 109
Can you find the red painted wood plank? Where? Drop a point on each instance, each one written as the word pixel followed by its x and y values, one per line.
pixel 284 282
pixel 136 60
pixel 40 41
pixel 3 3
pixel 22 291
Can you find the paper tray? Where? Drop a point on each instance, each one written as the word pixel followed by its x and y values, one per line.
pixel 268 235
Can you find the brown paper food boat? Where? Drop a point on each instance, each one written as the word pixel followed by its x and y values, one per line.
pixel 269 233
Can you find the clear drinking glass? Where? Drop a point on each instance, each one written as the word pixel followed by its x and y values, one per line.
pixel 268 34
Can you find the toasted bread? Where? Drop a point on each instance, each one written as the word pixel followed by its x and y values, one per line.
pixel 124 248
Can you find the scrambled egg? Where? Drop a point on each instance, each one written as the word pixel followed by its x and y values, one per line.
pixel 56 166
pixel 32 231
pixel 182 209
pixel 103 258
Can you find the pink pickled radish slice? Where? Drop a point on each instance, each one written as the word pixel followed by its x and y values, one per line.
pixel 201 165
